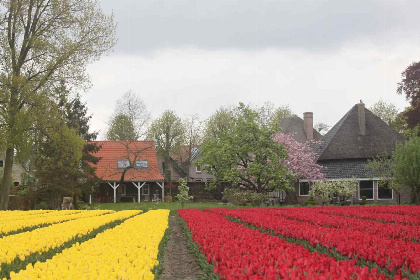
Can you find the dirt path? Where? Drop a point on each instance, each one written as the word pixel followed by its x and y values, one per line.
pixel 178 264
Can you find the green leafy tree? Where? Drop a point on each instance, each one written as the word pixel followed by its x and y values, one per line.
pixel 121 129
pixel 401 170
pixel 388 112
pixel 58 162
pixel 42 43
pixel 381 167
pixel 245 154
pixel 219 123
pixel 183 196
pixel 168 132
pixel 405 165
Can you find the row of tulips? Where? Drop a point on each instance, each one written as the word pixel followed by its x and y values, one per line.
pixel 16 213
pixel 238 252
pixel 43 239
pixel 10 216
pixel 23 222
pixel 369 213
pixel 310 215
pixel 392 209
pixel 392 254
pixel 127 251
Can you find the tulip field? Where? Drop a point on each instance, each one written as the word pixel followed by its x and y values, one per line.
pixel 357 242
pixel 94 244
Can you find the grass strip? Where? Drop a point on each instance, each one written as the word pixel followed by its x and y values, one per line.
pixel 206 268
pixel 158 269
pixel 329 252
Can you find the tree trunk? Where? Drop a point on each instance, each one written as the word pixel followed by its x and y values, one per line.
pixel 7 179
pixel 167 175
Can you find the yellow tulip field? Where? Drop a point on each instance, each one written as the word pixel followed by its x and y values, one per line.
pixel 93 244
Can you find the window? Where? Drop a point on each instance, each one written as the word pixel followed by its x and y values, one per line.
pixel 123 164
pixel 142 164
pixel 145 190
pixel 198 169
pixel 16 184
pixel 1 163
pixel 198 180
pixel 304 188
pixel 366 189
pixel 384 192
pixel 208 179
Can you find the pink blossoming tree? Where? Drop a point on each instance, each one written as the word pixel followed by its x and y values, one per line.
pixel 302 158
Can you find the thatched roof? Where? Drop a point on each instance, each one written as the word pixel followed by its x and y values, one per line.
pixel 294 124
pixel 345 141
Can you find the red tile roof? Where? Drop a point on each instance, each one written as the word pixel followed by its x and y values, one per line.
pixel 112 151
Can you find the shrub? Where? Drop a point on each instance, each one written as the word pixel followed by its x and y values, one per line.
pixel 311 201
pixel 183 196
pixel 240 197
pixel 363 201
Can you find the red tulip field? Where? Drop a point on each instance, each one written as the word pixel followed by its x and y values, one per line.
pixel 357 242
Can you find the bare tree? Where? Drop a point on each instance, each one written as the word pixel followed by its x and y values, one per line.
pixel 322 127
pixel 132 106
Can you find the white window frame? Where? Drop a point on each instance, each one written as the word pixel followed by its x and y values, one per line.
pixel 198 180
pixel 377 193
pixel 142 167
pixel 146 186
pixel 305 195
pixel 373 189
pixel 125 163
pixel 198 169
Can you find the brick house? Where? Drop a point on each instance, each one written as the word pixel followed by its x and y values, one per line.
pixel 345 150
pixel 129 172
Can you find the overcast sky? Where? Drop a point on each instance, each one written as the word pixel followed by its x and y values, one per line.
pixel 196 56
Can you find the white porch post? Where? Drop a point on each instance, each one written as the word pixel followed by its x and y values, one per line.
pixel 138 186
pixel 163 190
pixel 115 186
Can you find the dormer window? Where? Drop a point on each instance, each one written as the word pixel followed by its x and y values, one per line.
pixel 121 164
pixel 142 164
pixel 198 169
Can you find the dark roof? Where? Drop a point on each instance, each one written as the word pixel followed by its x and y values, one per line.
pixel 344 140
pixel 294 124
pixel 345 169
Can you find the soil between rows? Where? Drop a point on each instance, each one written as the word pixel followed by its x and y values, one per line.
pixel 178 263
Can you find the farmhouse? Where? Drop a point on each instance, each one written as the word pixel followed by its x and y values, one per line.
pixel 129 172
pixel 344 151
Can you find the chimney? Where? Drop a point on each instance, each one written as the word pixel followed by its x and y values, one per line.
pixel 362 118
pixel 308 125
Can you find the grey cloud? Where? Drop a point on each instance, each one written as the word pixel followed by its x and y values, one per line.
pixel 149 25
